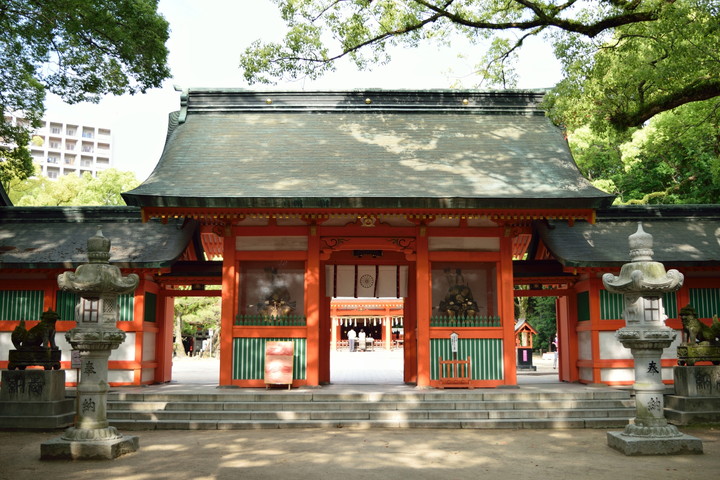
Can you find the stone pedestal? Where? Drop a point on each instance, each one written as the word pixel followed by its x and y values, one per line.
pixel 697 395
pixel 654 445
pixel 98 284
pixel 642 283
pixel 35 399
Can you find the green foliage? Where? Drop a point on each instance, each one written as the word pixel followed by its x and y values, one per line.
pixel 674 159
pixel 197 313
pixel 71 190
pixel 77 49
pixel 639 70
pixel 541 315
pixel 625 61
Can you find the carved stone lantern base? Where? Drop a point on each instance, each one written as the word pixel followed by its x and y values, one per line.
pixel 654 445
pixel 62 449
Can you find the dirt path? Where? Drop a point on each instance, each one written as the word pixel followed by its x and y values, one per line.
pixel 364 454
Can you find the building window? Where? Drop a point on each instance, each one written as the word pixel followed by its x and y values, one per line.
pixel 55 130
pixel 88 133
pixel 55 144
pixel 53 160
pixel 52 174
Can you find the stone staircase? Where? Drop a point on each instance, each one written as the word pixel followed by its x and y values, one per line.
pixel 258 409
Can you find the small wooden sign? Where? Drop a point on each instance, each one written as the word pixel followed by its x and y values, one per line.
pixel 279 363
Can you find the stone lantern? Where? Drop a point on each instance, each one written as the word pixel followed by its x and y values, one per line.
pixel 643 282
pixel 98 285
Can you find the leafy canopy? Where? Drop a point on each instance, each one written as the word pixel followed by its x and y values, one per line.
pixel 673 159
pixel 71 190
pixel 625 60
pixel 77 49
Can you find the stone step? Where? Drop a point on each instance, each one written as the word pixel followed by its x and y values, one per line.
pixel 287 415
pixel 415 409
pixel 346 405
pixel 556 423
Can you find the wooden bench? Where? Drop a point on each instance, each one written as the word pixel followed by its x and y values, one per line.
pixel 455 373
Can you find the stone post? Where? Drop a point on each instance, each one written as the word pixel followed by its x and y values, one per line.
pixel 643 282
pixel 98 284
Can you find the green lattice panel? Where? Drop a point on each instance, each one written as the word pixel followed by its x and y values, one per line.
pixel 21 304
pixel 583 306
pixel 150 307
pixel 486 356
pixel 65 305
pixel 670 305
pixel 611 306
pixel 249 357
pixel 126 305
pixel 706 301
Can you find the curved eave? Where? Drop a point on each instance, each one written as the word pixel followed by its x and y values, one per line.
pixel 338 203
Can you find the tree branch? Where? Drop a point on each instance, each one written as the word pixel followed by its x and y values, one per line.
pixel 704 90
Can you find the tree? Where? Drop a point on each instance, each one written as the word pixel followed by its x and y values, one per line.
pixel 673 159
pixel 541 315
pixel 68 190
pixel 648 43
pixel 77 49
pixel 641 70
pixel 191 314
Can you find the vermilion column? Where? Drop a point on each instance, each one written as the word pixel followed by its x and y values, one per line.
pixel 229 295
pixel 507 310
pixel 312 305
pixel 424 308
pixel 164 341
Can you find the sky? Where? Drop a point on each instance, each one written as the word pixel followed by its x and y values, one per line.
pixel 206 40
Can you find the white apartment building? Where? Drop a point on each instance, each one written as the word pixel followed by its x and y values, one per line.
pixel 71 148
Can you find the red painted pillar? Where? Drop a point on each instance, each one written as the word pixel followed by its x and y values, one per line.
pixel 312 306
pixel 164 341
pixel 424 309
pixel 507 310
pixel 229 302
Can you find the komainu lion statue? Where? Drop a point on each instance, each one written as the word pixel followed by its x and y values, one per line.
pixel 41 335
pixel 697 332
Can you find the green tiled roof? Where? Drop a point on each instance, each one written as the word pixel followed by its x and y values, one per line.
pixel 370 149
pixel 56 237
pixel 683 235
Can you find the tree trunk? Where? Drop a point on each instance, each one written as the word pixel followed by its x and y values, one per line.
pixel 178 347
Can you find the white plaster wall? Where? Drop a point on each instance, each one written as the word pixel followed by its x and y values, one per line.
pixel 585 346
pixel 611 348
pixel 126 350
pixel 617 375
pixel 149 346
pixel 71 375
pixel 5 345
pixel 121 376
pixel 148 374
pixel 586 374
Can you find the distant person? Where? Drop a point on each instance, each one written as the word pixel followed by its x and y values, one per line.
pixel 556 344
pixel 361 338
pixel 352 335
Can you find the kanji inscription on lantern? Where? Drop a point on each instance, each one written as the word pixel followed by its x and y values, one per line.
pixel 89 368
pixel 654 404
pixel 88 405
pixel 652 368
